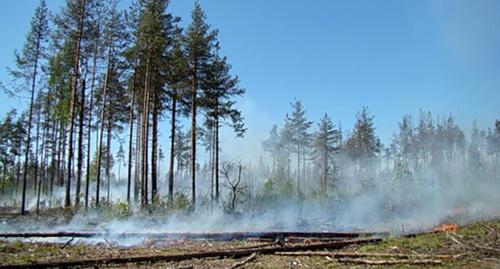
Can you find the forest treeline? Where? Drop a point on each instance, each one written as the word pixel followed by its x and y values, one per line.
pixel 430 163
pixel 92 72
pixel 327 153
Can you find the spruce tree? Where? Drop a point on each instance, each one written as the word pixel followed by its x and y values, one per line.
pixel 363 145
pixel 326 145
pixel 297 126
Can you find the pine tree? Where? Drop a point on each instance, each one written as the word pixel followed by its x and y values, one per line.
pixel 493 139
pixel 111 95
pixel 404 145
pixel 473 152
pixel 220 89
pixel 95 48
pixel 70 29
pixel 27 68
pixel 199 43
pixel 273 147
pixel 178 87
pixel 297 127
pixel 156 33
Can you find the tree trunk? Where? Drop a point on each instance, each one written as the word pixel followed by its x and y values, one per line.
pixel 101 125
pixel 325 168
pixel 108 157
pixel 89 122
pixel 172 148
pixel 145 135
pixel 30 119
pixel 212 166
pixel 18 168
pixel 193 135
pixel 89 134
pixel 42 174
pixel 79 162
pixel 62 154
pixel 154 151
pixel 53 171
pixel 298 170
pixel 217 192
pixel 138 159
pixel 37 150
pixel 74 87
pixel 131 136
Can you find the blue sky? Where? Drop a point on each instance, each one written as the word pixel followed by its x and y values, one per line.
pixel 394 56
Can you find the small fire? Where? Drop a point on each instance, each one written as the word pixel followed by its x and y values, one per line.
pixel 447 228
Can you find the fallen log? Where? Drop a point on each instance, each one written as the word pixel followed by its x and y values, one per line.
pixel 391 262
pixel 195 236
pixel 189 256
pixel 364 255
pixel 50 234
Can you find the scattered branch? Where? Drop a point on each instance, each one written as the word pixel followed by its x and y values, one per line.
pixel 391 262
pixel 245 261
pixel 190 256
pixel 361 255
pixel 68 243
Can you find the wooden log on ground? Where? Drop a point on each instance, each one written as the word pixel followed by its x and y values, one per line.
pixel 189 256
pixel 364 255
pixel 391 262
pixel 50 235
pixel 194 236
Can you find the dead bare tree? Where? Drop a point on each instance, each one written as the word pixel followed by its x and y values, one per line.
pixel 233 183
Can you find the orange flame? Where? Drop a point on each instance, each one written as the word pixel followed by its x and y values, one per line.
pixel 447 228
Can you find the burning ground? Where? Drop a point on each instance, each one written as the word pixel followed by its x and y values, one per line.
pixel 448 246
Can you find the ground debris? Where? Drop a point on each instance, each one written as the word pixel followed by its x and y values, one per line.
pixel 188 256
pixel 391 262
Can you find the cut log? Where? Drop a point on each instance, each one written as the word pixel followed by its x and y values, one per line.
pixel 363 255
pixel 391 262
pixel 189 256
pixel 196 236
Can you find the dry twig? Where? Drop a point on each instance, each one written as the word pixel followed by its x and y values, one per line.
pixel 391 262
pixel 361 255
pixel 245 261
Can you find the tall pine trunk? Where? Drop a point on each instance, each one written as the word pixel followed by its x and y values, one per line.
pixel 138 160
pixel 217 191
pixel 101 124
pixel 145 135
pixel 193 135
pixel 37 150
pixel 172 148
pixel 154 151
pixel 79 162
pixel 53 170
pixel 74 87
pixel 30 119
pixel 131 136
pixel 108 157
pixel 61 169
pixel 89 127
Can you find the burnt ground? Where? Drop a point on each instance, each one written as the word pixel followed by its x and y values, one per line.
pixel 476 245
